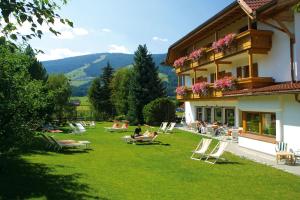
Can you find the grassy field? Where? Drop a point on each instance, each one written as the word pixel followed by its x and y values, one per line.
pixel 112 169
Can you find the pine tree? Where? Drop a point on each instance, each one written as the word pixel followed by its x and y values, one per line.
pixel 145 85
pixel 100 93
pixel 36 68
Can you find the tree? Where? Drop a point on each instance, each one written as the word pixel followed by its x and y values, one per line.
pixel 16 13
pixel 36 68
pixel 59 90
pixel 145 85
pixel 120 90
pixel 100 93
pixel 158 111
pixel 23 101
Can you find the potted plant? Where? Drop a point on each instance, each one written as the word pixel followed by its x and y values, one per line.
pixel 201 88
pixel 181 90
pixel 223 43
pixel 195 55
pixel 180 61
pixel 225 84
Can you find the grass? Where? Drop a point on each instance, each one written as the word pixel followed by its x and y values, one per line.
pixel 113 169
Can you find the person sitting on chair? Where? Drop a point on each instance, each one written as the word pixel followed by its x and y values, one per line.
pixel 137 132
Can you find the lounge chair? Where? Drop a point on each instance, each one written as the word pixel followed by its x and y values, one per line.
pixel 163 127
pixel 217 152
pixel 123 128
pixel 201 148
pixel 58 145
pixel 81 129
pixel 280 148
pixel 145 138
pixel 75 130
pixel 170 127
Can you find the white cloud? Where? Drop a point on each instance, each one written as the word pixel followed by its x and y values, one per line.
pixel 59 53
pixel 113 48
pixel 70 33
pixel 155 38
pixel 80 31
pixel 106 30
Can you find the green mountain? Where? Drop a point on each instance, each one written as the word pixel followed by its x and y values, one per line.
pixel 81 70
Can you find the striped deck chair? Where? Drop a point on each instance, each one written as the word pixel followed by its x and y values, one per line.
pixel 201 149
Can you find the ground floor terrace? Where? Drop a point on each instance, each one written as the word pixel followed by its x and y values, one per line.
pixel 112 169
pixel 264 120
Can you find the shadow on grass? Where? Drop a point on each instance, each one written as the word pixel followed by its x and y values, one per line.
pixel 23 180
pixel 152 143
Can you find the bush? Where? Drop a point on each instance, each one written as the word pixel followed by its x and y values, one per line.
pixel 159 110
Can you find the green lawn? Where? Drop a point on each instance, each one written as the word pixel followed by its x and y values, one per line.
pixel 116 170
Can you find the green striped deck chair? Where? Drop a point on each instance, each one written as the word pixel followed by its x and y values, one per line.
pixel 281 146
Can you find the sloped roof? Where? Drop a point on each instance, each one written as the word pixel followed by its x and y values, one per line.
pixel 287 87
pixel 256 4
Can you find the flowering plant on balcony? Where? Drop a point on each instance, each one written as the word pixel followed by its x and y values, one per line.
pixel 180 61
pixel 224 84
pixel 201 88
pixel 223 43
pixel 195 55
pixel 181 90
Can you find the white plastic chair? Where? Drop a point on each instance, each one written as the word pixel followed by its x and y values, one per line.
pixel 201 148
pixel 217 152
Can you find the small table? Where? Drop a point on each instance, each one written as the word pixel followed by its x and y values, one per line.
pixel 288 156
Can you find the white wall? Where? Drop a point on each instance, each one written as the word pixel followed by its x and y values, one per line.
pixel 190 112
pixel 277 63
pixel 256 145
pixel 291 121
pixel 297 45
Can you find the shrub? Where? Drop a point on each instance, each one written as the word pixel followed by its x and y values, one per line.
pixel 159 110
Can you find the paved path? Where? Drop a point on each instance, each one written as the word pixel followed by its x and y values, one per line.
pixel 256 156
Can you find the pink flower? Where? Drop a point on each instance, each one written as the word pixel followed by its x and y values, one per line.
pixel 180 61
pixel 224 42
pixel 200 88
pixel 226 83
pixel 181 90
pixel 195 55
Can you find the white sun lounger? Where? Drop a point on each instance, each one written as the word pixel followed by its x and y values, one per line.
pixel 163 127
pixel 170 128
pixel 201 149
pixel 217 152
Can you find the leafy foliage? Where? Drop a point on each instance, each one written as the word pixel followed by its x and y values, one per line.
pixel 59 90
pixel 120 90
pixel 145 85
pixel 23 101
pixel 36 13
pixel 159 110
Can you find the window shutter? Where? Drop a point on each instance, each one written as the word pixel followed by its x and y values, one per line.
pixel 239 73
pixel 255 70
pixel 246 71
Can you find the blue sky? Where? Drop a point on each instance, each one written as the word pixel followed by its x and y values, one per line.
pixel 121 25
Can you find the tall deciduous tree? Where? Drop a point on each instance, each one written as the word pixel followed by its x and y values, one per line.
pixel 59 90
pixel 120 90
pixel 100 93
pixel 23 101
pixel 145 85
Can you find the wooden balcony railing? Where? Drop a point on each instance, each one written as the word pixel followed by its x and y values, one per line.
pixel 244 83
pixel 258 41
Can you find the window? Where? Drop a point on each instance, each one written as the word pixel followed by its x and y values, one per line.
pixel 229 116
pixel 218 115
pixel 199 113
pixel 260 123
pixel 244 72
pixel 207 116
pixel 245 28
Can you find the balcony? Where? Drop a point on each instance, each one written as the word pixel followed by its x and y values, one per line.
pixel 255 41
pixel 244 83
